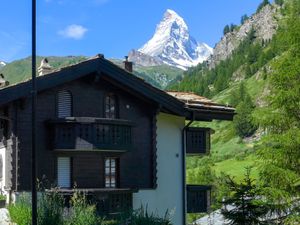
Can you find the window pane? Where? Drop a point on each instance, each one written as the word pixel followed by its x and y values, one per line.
pixel 107 162
pixel 113 163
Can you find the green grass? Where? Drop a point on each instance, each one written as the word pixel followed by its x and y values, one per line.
pixel 237 168
pixel 255 88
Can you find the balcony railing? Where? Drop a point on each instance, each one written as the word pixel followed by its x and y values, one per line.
pixel 109 202
pixel 91 134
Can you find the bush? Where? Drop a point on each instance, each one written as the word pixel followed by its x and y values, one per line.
pixel 20 212
pixel 50 208
pixel 142 217
pixel 81 212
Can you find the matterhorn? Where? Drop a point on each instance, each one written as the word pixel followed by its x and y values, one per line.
pixel 171 44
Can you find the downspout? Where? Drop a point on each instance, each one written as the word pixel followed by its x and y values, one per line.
pixel 184 205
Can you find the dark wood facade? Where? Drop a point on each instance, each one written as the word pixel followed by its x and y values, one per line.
pixel 134 119
pixel 92 113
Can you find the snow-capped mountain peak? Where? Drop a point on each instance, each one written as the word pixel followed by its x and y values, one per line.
pixel 2 64
pixel 173 44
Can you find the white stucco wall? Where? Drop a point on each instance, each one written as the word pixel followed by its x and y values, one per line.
pixel 168 195
pixel 2 180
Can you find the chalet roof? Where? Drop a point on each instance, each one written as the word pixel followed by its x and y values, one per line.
pixel 196 101
pixel 202 106
pixel 178 103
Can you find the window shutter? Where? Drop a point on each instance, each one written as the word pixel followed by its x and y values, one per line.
pixel 198 198
pixel 198 140
pixel 64 104
pixel 64 172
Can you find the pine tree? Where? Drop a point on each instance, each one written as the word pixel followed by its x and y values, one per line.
pixel 243 206
pixel 244 18
pixel 262 5
pixel 280 151
pixel 226 29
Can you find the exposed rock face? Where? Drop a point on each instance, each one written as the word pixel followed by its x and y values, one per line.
pixel 143 59
pixel 264 24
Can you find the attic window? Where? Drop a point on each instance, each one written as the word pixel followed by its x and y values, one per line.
pixel 64 104
pixel 110 106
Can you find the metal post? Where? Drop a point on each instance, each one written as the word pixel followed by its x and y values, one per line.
pixel 34 102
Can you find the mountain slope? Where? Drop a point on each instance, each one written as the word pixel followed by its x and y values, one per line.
pixel 159 76
pixel 249 62
pixel 20 70
pixel 172 44
pixel 265 24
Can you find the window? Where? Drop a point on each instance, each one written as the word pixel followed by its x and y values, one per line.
pixel 111 172
pixel 64 104
pixel 110 107
pixel 64 172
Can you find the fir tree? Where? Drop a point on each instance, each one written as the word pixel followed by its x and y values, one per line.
pixel 242 205
pixel 244 18
pixel 280 151
pixel 226 29
pixel 262 5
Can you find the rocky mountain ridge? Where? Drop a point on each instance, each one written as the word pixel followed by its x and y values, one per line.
pixel 264 23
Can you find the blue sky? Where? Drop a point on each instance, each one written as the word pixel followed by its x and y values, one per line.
pixel 111 27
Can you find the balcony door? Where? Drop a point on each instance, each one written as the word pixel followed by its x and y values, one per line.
pixel 64 172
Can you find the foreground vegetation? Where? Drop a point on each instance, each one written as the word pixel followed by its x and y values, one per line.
pixel 51 211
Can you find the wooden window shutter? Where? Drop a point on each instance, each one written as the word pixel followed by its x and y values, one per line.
pixel 198 140
pixel 64 104
pixel 64 172
pixel 198 198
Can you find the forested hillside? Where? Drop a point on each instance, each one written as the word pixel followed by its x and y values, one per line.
pixel 261 78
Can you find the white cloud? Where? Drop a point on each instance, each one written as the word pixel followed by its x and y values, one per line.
pixel 73 31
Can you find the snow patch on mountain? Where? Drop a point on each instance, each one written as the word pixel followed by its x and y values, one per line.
pixel 173 45
pixel 2 64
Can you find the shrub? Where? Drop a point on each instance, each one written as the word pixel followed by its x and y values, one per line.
pixel 2 197
pixel 81 212
pixel 20 212
pixel 142 217
pixel 50 208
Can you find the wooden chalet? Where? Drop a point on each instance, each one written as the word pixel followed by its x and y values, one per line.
pixel 106 132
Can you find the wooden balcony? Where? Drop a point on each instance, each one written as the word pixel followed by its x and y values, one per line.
pixel 82 133
pixel 109 202
pixel 198 140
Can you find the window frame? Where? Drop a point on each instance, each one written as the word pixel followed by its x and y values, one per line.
pixel 110 174
pixel 107 114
